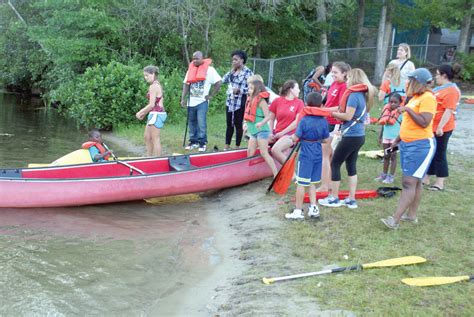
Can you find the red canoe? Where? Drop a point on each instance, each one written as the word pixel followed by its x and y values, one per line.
pixel 99 183
pixel 360 194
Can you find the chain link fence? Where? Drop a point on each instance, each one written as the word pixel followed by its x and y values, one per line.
pixel 277 70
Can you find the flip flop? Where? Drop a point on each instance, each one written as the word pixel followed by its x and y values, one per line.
pixel 435 188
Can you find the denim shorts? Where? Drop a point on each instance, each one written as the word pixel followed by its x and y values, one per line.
pixel 157 119
pixel 261 135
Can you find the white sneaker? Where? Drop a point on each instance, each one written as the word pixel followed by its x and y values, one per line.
pixel 330 201
pixel 191 146
pixel 297 214
pixel 350 203
pixel 202 148
pixel 313 211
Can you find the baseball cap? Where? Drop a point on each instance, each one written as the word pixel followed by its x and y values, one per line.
pixel 421 75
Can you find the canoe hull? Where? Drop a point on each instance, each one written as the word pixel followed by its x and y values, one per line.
pixel 29 192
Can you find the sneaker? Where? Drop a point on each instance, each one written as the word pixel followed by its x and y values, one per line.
pixel 191 146
pixel 381 177
pixel 202 148
pixel 350 203
pixel 297 214
pixel 330 201
pixel 313 211
pixel 390 223
pixel 388 180
pixel 408 219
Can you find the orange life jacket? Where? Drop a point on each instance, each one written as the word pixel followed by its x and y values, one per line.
pixel 388 116
pixel 87 145
pixel 313 111
pixel 198 73
pixel 315 86
pixel 252 104
pixel 347 92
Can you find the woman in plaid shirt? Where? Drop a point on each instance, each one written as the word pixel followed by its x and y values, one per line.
pixel 236 97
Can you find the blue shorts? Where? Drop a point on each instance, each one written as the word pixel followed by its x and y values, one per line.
pixel 416 156
pixel 261 135
pixel 308 172
pixel 157 119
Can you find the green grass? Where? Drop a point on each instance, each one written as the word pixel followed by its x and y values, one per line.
pixel 444 236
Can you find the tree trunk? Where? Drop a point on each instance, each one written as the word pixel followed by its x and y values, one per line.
pixel 388 32
pixel 464 39
pixel 360 26
pixel 380 55
pixel 321 16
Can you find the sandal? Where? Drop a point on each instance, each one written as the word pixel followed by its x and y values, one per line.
pixel 435 188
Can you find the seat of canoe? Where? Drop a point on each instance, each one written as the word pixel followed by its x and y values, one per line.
pixel 180 163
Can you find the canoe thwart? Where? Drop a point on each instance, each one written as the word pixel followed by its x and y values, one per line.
pixel 10 173
pixel 180 163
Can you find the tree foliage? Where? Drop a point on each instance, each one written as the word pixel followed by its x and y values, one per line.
pixel 54 45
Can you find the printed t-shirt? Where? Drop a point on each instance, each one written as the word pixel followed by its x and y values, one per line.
pixel 312 128
pixel 285 112
pixel 446 98
pixel 409 130
pixel 356 100
pixel 199 90
pixel 333 98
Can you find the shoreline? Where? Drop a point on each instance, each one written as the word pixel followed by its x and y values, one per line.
pixel 247 236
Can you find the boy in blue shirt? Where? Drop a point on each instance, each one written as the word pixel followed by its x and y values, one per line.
pixel 312 130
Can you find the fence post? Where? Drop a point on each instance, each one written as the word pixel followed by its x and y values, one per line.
pixel 270 74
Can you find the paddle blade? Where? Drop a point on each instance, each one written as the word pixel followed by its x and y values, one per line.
pixel 431 281
pixel 267 281
pixel 283 179
pixel 406 260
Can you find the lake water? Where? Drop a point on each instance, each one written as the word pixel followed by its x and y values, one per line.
pixel 124 259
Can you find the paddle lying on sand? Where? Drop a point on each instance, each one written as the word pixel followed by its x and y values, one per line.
pixel 122 162
pixel 406 260
pixel 436 280
pixel 282 180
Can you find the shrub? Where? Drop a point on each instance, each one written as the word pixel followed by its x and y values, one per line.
pixel 104 95
pixel 467 71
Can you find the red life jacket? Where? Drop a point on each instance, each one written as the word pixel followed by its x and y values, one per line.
pixel 87 145
pixel 252 104
pixel 315 86
pixel 347 92
pixel 198 73
pixel 388 116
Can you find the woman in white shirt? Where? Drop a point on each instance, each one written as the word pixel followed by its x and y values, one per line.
pixel 403 62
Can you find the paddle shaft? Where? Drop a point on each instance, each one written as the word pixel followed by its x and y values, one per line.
pixel 123 163
pixel 187 122
pixel 335 270
pixel 295 148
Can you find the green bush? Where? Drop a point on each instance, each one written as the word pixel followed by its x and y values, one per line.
pixel 104 95
pixel 467 62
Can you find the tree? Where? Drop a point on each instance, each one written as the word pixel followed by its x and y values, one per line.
pixel 383 34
